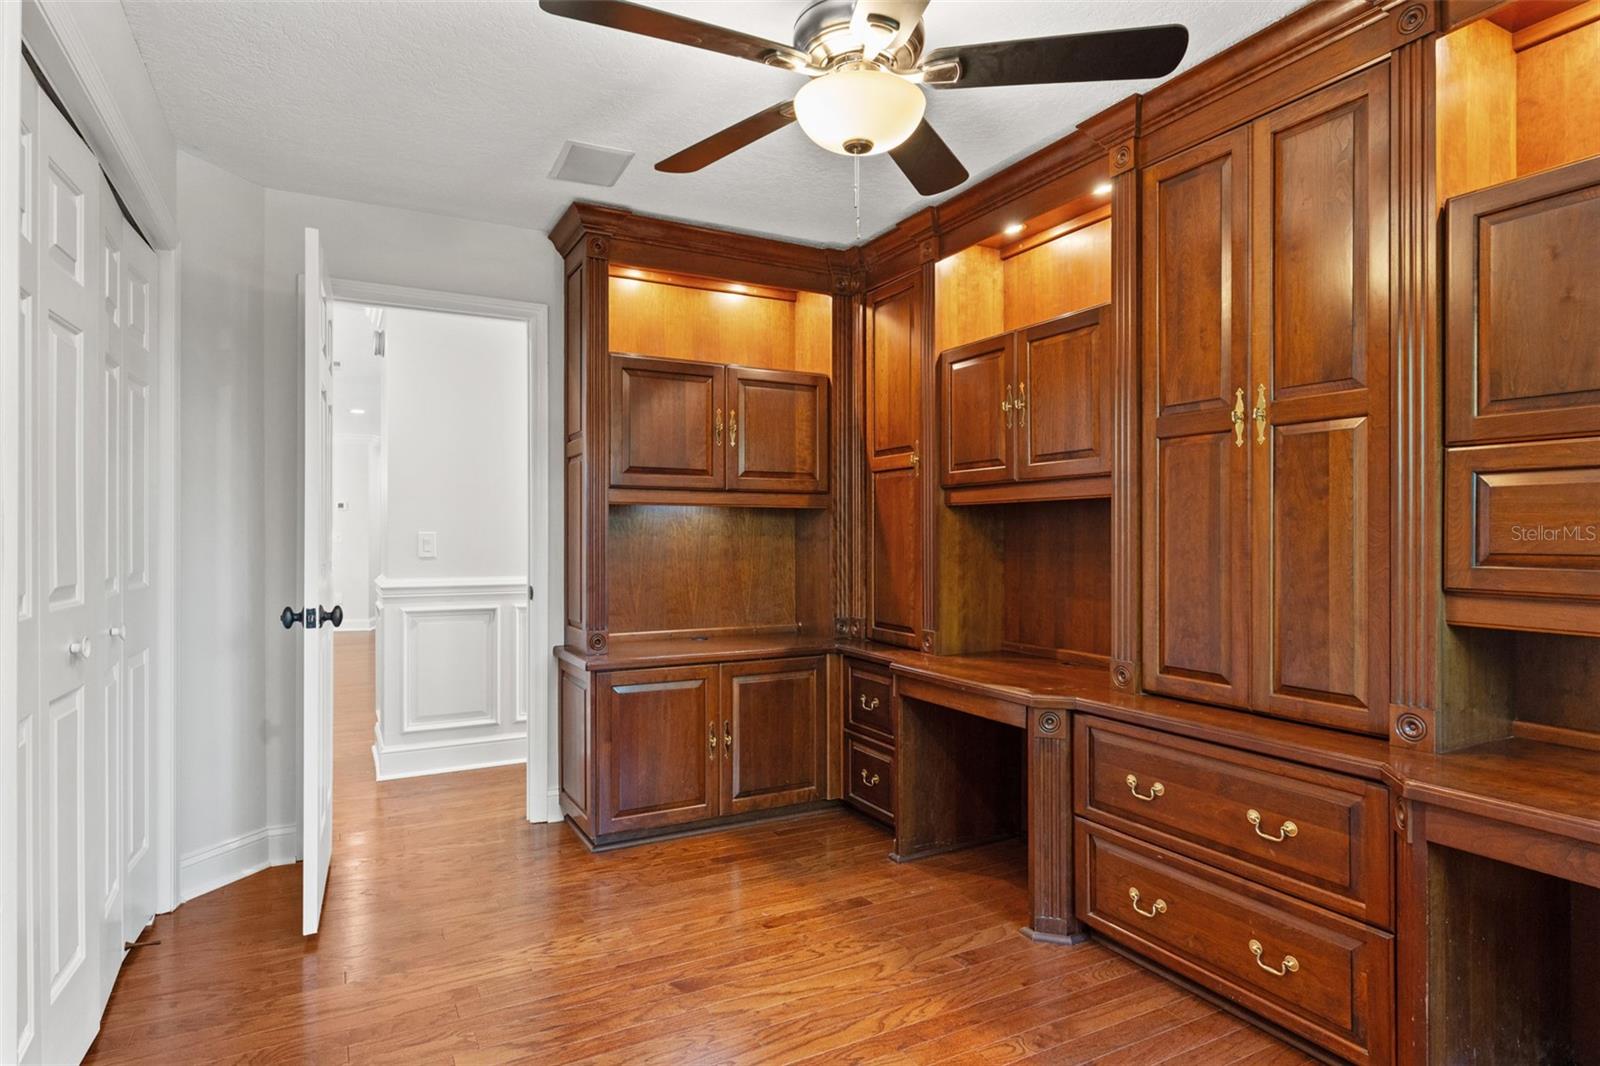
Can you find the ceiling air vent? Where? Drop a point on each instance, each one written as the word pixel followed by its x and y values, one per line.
pixel 590 164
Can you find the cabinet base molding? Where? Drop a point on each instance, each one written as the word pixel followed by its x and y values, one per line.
pixel 1065 939
pixel 617 841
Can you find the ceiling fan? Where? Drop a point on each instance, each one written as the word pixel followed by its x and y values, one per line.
pixel 865 61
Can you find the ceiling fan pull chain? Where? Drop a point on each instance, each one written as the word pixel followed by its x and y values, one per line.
pixel 857 161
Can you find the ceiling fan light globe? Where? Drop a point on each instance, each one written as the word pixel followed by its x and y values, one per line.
pixel 842 109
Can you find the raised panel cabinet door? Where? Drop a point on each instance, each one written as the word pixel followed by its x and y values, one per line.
pixel 894 373
pixel 666 423
pixel 1064 397
pixel 777 430
pixel 1522 308
pixel 977 412
pixel 774 752
pixel 1318 438
pixel 1196 304
pixel 894 593
pixel 660 748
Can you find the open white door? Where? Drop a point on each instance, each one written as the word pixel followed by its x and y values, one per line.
pixel 316 588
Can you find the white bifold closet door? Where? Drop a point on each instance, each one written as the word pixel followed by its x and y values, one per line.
pixel 85 605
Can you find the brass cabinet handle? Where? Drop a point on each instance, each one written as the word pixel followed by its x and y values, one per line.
pixel 1022 403
pixel 1006 406
pixel 727 735
pixel 713 740
pixel 1260 414
pixel 1156 790
pixel 916 456
pixel 869 782
pixel 1237 418
pixel 1285 831
pixel 1158 907
pixel 733 429
pixel 865 706
pixel 1289 965
pixel 716 423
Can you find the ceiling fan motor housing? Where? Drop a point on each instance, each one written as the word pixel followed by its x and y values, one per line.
pixel 823 32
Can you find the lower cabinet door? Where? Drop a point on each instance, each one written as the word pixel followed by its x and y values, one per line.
pixel 659 747
pixel 773 733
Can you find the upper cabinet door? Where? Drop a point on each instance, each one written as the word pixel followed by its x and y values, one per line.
pixel 977 412
pixel 1318 393
pixel 1196 303
pixel 1522 308
pixel 894 374
pixel 1063 402
pixel 774 750
pixel 777 430
pixel 666 423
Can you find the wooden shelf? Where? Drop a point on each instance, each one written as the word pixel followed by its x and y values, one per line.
pixel 719 498
pixel 1550 788
pixel 625 654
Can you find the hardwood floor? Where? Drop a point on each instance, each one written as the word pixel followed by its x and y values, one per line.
pixel 455 932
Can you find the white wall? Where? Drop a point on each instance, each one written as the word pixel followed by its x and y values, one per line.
pixel 455 414
pixel 353 458
pixel 365 242
pixel 224 827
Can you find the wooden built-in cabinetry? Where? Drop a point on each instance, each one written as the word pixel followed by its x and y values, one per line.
pixel 1265 299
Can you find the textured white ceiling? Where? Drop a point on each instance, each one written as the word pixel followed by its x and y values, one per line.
pixel 461 108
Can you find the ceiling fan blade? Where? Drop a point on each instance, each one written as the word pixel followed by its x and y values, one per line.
pixel 725 142
pixel 1111 55
pixel 930 164
pixel 653 22
pixel 905 14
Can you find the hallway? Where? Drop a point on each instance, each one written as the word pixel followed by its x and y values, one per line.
pixel 455 932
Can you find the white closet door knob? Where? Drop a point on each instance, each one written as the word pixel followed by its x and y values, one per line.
pixel 117 633
pixel 81 648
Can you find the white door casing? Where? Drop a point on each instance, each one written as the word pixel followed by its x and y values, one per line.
pixel 316 589
pixel 64 722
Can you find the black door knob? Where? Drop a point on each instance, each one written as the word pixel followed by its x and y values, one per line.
pixel 289 617
pixel 336 616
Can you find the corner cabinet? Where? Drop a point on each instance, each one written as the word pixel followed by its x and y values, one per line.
pixel 710 427
pixel 678 746
pixel 1028 406
pixel 1265 294
pixel 894 349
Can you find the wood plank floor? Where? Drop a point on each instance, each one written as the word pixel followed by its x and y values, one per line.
pixel 455 932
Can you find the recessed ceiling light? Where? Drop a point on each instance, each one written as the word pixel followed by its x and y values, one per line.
pixel 1014 228
pixel 1103 189
pixel 358 410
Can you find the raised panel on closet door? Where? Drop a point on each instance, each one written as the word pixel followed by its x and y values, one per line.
pixel 659 748
pixel 1196 303
pixel 773 752
pixel 894 373
pixel 777 430
pixel 976 416
pixel 894 602
pixel 1064 397
pixel 1319 395
pixel 666 423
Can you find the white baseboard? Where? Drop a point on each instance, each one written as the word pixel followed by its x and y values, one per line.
pixel 552 806
pixel 420 760
pixel 221 864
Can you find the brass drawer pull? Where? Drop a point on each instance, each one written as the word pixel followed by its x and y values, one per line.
pixel 1158 907
pixel 1156 790
pixel 865 706
pixel 1290 963
pixel 870 782
pixel 1285 831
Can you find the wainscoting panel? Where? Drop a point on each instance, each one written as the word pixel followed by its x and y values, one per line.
pixel 452 675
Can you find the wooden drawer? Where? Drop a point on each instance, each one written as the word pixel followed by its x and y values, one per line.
pixel 1209 926
pixel 870 784
pixel 869 707
pixel 1524 519
pixel 1227 808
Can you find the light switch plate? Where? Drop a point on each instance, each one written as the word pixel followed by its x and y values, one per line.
pixel 427 545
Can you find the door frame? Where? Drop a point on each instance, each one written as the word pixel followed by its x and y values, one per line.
pixel 542 801
pixel 10 444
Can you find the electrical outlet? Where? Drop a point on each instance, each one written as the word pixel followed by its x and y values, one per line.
pixel 427 545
